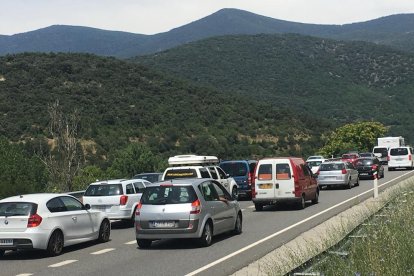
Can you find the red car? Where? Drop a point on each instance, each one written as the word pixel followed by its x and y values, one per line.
pixel 350 157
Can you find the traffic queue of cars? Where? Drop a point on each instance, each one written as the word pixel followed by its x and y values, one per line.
pixel 196 197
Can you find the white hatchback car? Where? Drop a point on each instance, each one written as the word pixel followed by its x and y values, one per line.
pixel 118 198
pixel 49 222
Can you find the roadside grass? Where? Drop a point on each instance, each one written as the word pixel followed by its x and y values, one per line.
pixel 382 246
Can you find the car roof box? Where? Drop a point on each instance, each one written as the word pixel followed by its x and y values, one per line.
pixel 192 160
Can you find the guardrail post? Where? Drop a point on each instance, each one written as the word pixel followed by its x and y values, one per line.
pixel 375 184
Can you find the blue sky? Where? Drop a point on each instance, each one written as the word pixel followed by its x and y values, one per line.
pixel 154 16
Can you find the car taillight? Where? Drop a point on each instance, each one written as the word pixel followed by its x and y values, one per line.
pixel 388 158
pixel 250 179
pixel 344 171
pixel 123 200
pixel 409 157
pixel 138 209
pixel 34 221
pixel 195 207
pixel 374 167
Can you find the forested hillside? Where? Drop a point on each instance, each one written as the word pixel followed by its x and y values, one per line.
pixel 120 102
pixel 338 81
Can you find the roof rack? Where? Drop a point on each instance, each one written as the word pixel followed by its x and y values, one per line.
pixel 192 160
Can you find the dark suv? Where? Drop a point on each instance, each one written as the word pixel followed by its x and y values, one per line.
pixel 242 172
pixel 367 166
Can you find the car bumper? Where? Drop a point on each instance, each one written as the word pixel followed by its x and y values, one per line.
pixel 333 182
pixel 400 164
pixel 170 233
pixel 268 201
pixel 24 240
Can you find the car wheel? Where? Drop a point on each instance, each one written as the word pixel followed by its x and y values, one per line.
pixel 315 200
pixel 349 185
pixel 357 182
pixel 55 244
pixel 144 243
pixel 301 203
pixel 258 207
pixel 206 236
pixel 238 227
pixel 104 231
pixel 234 193
pixel 2 253
pixel 390 169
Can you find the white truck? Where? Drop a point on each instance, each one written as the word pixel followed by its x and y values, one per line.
pixel 384 144
pixel 195 166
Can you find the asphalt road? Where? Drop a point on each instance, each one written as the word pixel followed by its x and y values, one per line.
pixel 262 232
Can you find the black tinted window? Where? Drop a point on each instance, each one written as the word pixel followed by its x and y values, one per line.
pixel 213 172
pixel 55 205
pixel 71 204
pixel 265 172
pixel 204 173
pixel 180 173
pixel 104 190
pixel 235 168
pixel 160 195
pixel 17 209
pixel 398 151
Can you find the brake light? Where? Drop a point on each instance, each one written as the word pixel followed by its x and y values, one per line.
pixel 123 200
pixel 374 167
pixel 195 207
pixel 409 157
pixel 138 209
pixel 388 158
pixel 344 171
pixel 34 221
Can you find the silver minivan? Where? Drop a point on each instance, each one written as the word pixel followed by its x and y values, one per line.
pixel 186 208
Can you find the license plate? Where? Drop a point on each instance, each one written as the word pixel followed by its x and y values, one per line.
pixel 100 207
pixel 163 224
pixel 266 186
pixel 6 242
pixel 399 159
pixel 363 174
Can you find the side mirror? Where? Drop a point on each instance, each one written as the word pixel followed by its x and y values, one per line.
pixel 87 206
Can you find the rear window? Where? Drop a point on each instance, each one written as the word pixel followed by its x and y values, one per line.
pixel 180 173
pixel 104 190
pixel 9 209
pixel 381 150
pixel 265 172
pixel 160 195
pixel 331 167
pixel 282 171
pixel 364 162
pixel 235 168
pixel 398 151
pixel 314 163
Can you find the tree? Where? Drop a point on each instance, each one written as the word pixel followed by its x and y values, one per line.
pixel 359 136
pixel 64 159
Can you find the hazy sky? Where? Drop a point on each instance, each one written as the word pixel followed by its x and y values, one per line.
pixel 154 16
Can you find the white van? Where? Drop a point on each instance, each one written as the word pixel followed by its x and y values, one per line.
pixel 400 157
pixel 286 179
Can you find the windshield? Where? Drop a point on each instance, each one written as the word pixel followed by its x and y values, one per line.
pixel 160 195
pixel 314 163
pixel 331 167
pixel 234 168
pixel 8 209
pixel 104 190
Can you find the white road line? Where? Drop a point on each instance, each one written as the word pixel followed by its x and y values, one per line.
pixel 103 251
pixel 131 242
pixel 24 274
pixel 63 263
pixel 284 230
pixel 251 207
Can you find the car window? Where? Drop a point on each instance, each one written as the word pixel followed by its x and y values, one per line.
pixel 364 162
pixel 221 173
pixel 314 163
pixel 153 177
pixel 235 168
pixel 180 173
pixel 331 167
pixel 104 190
pixel 139 187
pixel 213 172
pixel 130 189
pixel 56 205
pixel 8 209
pixel 204 173
pixel 160 195
pixel 221 192
pixel 208 191
pixel 398 151
pixel 283 171
pixel 265 172
pixel 71 204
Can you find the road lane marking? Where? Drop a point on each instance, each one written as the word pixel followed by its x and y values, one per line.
pixel 103 251
pixel 131 242
pixel 285 229
pixel 63 263
pixel 24 274
pixel 251 207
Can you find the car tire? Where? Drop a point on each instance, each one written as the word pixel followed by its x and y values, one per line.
pixel 301 203
pixel 55 244
pixel 357 182
pixel 234 193
pixel 349 185
pixel 104 231
pixel 144 243
pixel 207 235
pixel 2 252
pixel 258 207
pixel 315 200
pixel 238 226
